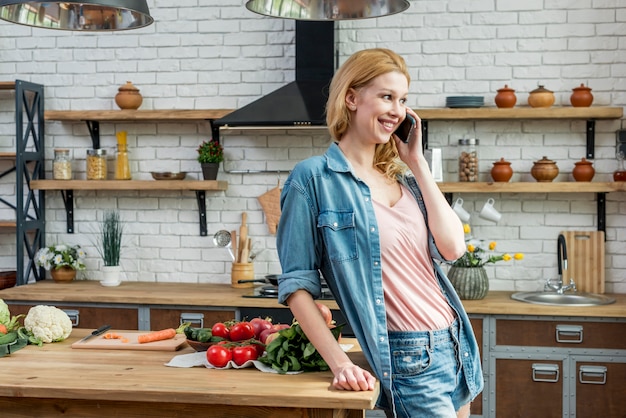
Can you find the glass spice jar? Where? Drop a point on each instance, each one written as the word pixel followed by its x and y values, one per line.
pixel 62 165
pixel 96 164
pixel 468 160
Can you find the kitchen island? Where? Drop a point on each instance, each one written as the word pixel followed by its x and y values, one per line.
pixel 56 380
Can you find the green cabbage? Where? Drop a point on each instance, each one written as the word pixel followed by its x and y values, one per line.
pixel 5 315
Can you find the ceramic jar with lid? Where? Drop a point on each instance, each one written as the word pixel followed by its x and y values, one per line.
pixel 128 97
pixel 62 165
pixel 541 97
pixel 501 171
pixel 544 170
pixel 583 170
pixel 505 97
pixel 581 96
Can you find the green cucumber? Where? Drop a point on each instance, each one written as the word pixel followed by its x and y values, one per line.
pixel 8 337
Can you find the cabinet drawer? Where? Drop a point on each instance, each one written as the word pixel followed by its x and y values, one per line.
pixel 565 333
pixel 161 318
pixel 91 316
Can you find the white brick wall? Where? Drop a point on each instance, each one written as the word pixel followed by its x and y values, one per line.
pixel 216 54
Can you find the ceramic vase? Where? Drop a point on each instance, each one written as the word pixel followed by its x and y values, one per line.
pixel 63 275
pixel 209 170
pixel 581 96
pixel 583 170
pixel 544 170
pixel 470 283
pixel 505 97
pixel 541 97
pixel 501 171
pixel 128 97
pixel 111 276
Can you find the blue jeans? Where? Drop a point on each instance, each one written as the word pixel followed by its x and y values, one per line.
pixel 428 378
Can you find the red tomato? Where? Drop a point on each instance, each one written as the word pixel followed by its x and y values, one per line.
pixel 259 324
pixel 326 313
pixel 243 353
pixel 241 331
pixel 218 355
pixel 219 329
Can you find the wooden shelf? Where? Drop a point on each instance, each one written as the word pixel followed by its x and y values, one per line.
pixel 7 156
pixel 7 85
pixel 494 113
pixel 215 185
pixel 134 115
pixel 7 224
pixel 533 187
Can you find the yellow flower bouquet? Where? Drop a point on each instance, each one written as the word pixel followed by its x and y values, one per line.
pixel 477 256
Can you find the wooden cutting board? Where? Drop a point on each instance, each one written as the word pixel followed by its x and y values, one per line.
pixel 99 343
pixel 585 260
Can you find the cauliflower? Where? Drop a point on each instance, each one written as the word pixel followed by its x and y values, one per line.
pixel 5 315
pixel 47 324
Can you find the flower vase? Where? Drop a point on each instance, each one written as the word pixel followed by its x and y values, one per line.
pixel 111 276
pixel 63 274
pixel 209 170
pixel 470 283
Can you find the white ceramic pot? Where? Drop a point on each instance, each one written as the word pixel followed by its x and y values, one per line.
pixel 111 276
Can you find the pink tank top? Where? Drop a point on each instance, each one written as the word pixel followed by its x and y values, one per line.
pixel 413 297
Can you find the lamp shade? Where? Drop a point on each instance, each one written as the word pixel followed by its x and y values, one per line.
pixel 86 15
pixel 327 9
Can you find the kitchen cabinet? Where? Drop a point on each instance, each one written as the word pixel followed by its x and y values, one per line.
pixel 478 323
pixel 553 367
pixel 167 317
pixel 92 316
pixel 29 207
pixel 93 119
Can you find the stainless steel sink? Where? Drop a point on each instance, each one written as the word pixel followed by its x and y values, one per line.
pixel 563 299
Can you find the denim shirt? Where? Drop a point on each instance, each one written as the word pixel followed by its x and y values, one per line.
pixel 328 225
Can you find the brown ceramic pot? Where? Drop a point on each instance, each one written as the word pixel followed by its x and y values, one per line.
pixel 583 170
pixel 544 170
pixel 581 96
pixel 63 274
pixel 541 97
pixel 505 97
pixel 501 171
pixel 128 97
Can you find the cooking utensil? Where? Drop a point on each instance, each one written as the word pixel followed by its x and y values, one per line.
pixel 99 331
pixel 233 243
pixel 222 239
pixel 585 260
pixel 270 278
pixel 168 175
pixel 243 237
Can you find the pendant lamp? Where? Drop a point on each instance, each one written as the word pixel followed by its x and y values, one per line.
pixel 84 16
pixel 321 10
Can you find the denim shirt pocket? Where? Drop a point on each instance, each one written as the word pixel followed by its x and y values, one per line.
pixel 338 229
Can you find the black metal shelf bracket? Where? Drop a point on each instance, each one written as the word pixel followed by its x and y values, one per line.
pixel 424 134
pixel 68 202
pixel 601 202
pixel 201 198
pixel 94 131
pixel 591 141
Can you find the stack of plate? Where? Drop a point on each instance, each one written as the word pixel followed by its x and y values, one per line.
pixel 465 101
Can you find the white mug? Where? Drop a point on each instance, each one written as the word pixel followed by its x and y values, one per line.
pixel 490 213
pixel 460 212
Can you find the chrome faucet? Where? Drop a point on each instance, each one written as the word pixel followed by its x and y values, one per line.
pixel 557 285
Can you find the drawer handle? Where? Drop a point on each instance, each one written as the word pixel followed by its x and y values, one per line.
pixel 570 334
pixel 193 318
pixel 543 372
pixel 596 375
pixel 74 316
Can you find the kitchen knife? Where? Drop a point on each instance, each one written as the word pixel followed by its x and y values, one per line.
pixel 99 331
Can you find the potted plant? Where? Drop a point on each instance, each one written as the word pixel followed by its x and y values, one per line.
pixel 468 275
pixel 210 155
pixel 109 246
pixel 62 260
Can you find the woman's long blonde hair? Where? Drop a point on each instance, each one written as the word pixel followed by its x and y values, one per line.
pixel 358 71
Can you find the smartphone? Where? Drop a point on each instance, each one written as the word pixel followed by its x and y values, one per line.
pixel 405 128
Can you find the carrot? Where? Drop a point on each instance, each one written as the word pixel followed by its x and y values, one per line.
pixel 164 334
pixel 3 329
pixel 114 336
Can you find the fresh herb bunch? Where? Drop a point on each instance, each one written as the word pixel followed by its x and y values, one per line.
pixel 61 255
pixel 210 152
pixel 477 256
pixel 109 242
pixel 292 351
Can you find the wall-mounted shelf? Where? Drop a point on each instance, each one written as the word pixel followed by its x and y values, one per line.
pixel 94 117
pixel 67 188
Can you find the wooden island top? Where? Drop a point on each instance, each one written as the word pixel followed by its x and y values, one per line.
pixel 56 380
pixel 221 295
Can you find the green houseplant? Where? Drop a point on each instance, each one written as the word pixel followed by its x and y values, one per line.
pixel 62 260
pixel 109 246
pixel 210 155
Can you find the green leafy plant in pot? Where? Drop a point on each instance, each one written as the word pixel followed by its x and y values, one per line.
pixel 210 155
pixel 109 246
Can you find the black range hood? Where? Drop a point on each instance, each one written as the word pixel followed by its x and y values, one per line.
pixel 303 101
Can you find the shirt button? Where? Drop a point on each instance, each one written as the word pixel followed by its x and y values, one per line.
pixel 385 374
pixel 367 199
pixel 376 263
pixel 335 224
pixel 378 301
pixel 466 354
pixel 373 229
pixel 382 339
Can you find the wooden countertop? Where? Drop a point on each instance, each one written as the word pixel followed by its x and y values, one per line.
pixel 140 380
pixel 220 295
